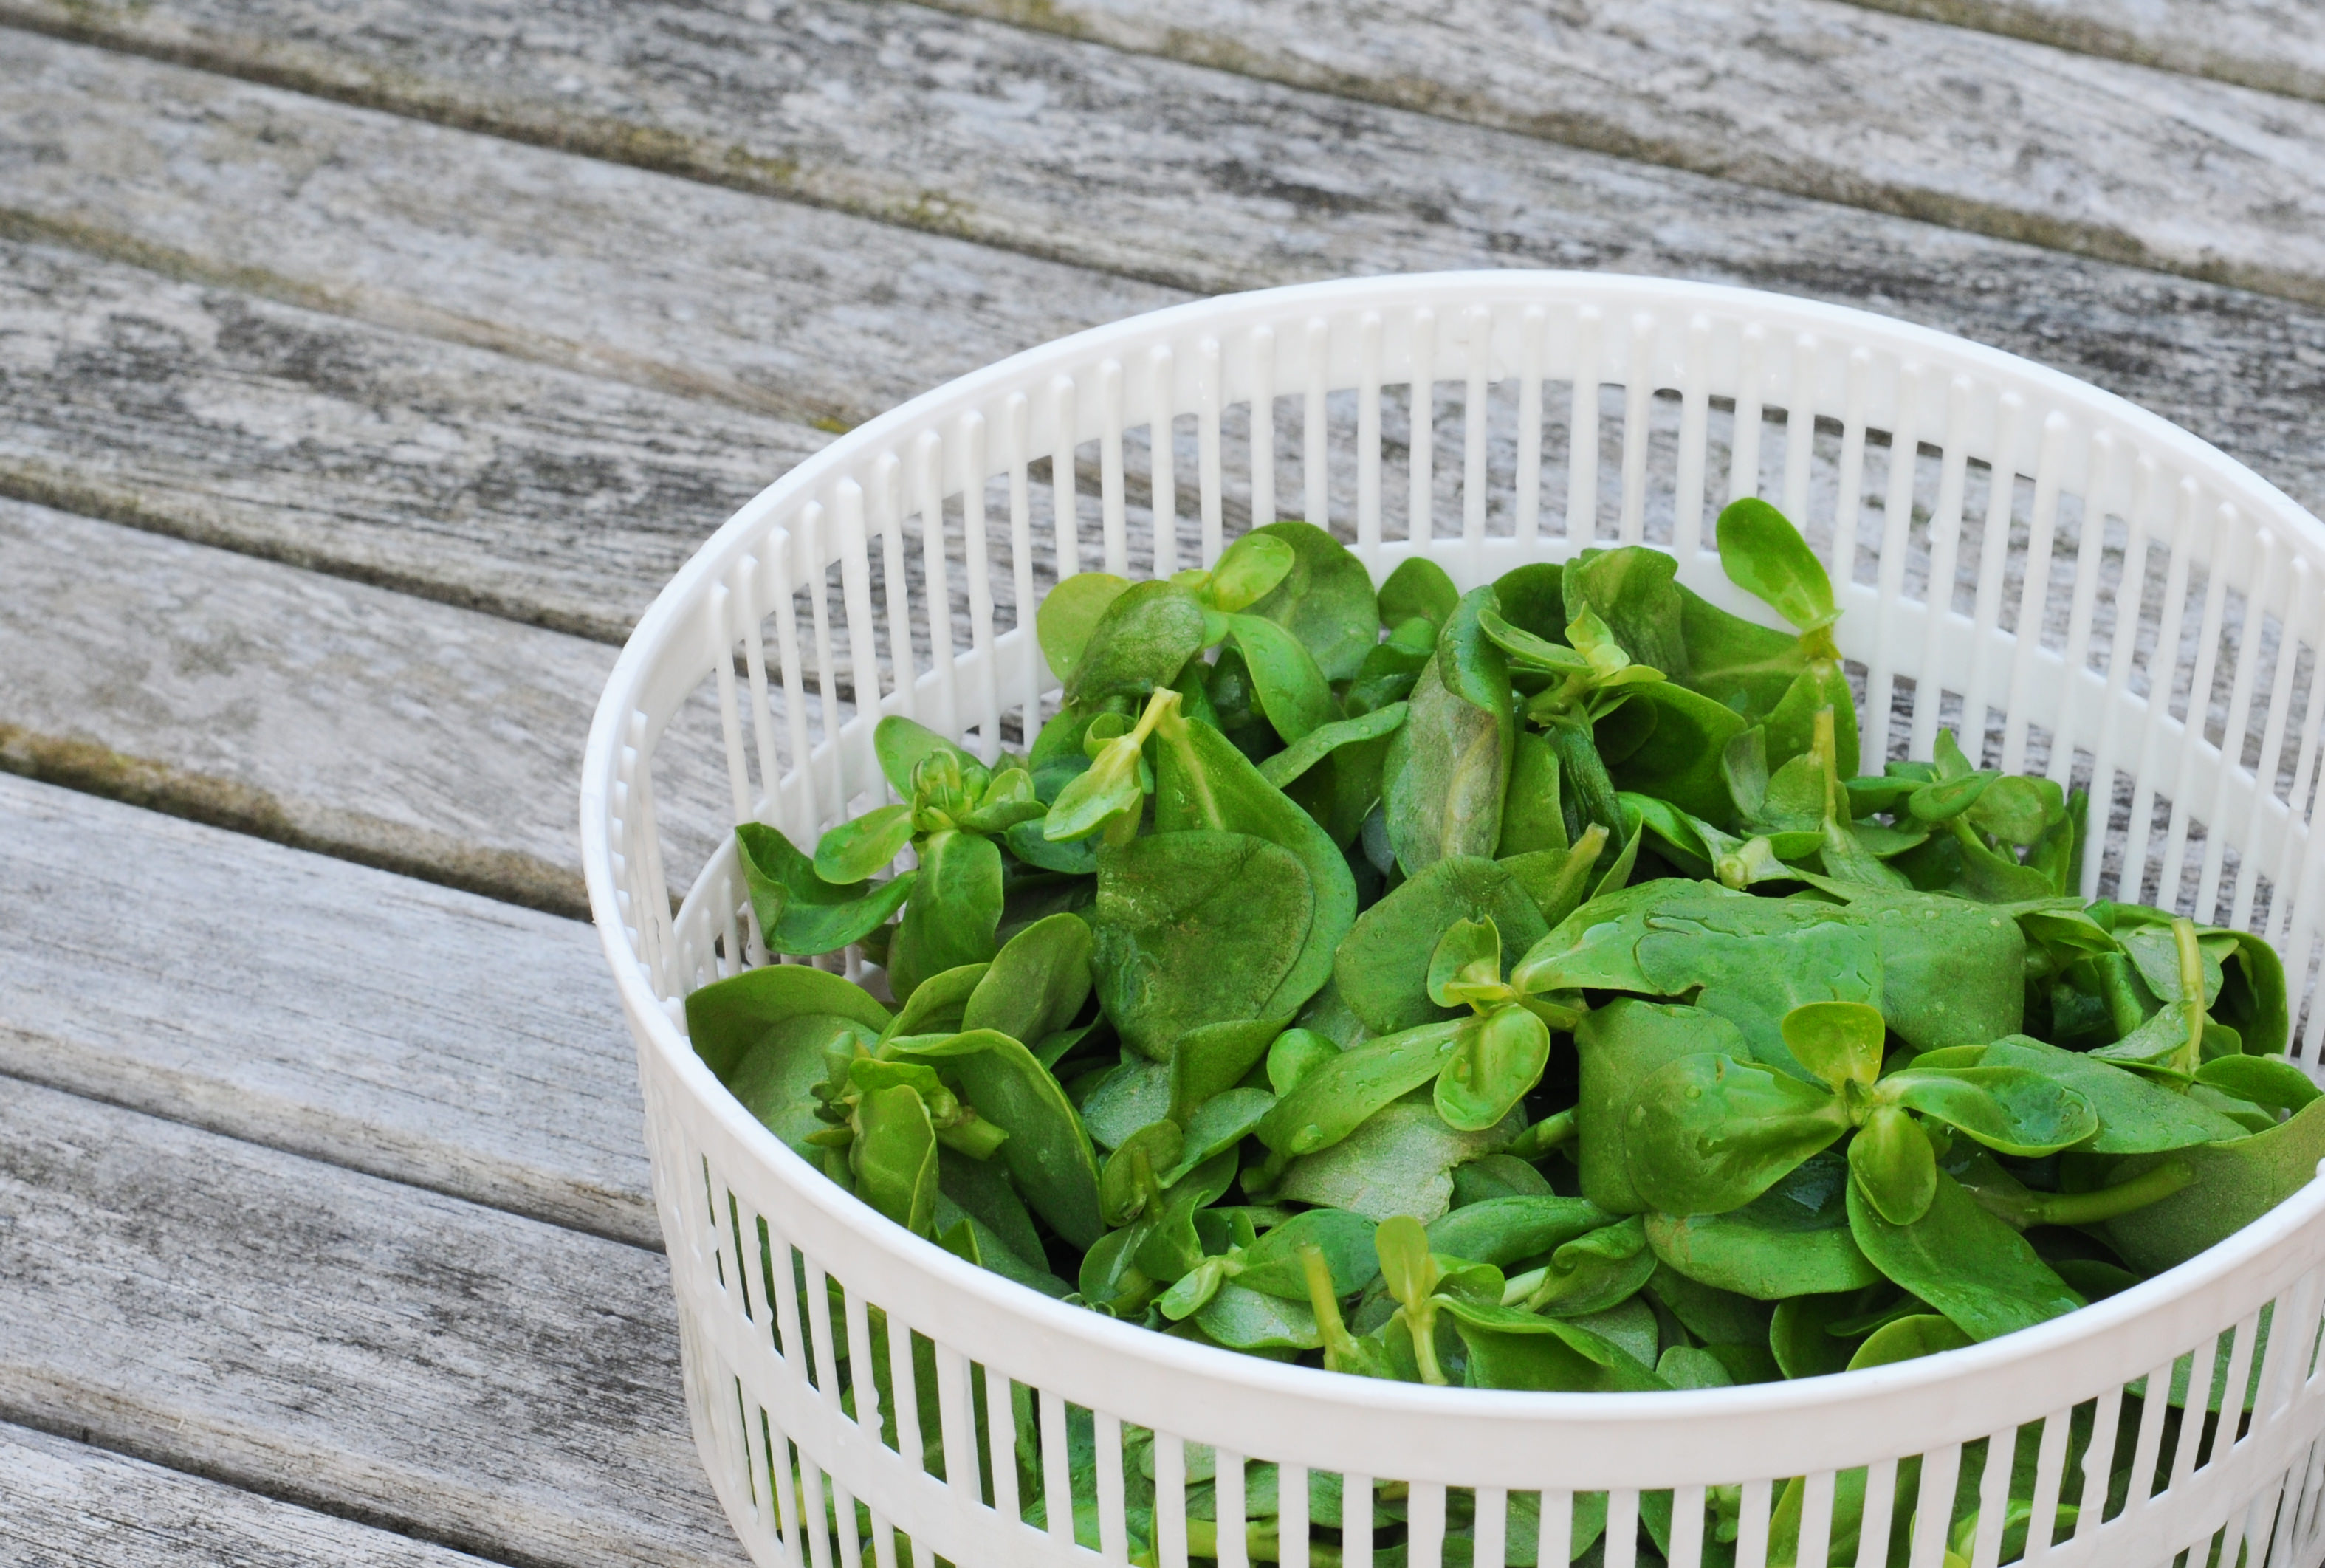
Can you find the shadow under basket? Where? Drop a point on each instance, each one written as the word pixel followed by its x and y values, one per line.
pixel 2076 587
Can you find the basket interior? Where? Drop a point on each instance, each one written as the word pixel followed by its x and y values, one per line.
pixel 2072 586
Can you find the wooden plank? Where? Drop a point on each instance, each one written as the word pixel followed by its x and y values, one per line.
pixel 1198 178
pixel 416 1032
pixel 2275 45
pixel 473 476
pixel 69 1506
pixel 489 1382
pixel 311 710
pixel 807 314
pixel 1816 97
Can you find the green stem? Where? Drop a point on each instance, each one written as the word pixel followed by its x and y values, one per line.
pixel 1550 1132
pixel 2151 1185
pixel 1340 1344
pixel 2190 1054
pixel 1421 1324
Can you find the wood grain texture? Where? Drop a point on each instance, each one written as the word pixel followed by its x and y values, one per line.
pixel 476 477
pixel 807 314
pixel 65 1504
pixel 308 709
pixel 1196 178
pixel 489 1382
pixel 433 1037
pixel 1816 97
pixel 2275 45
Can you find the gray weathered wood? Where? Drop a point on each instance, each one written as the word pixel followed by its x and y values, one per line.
pixel 490 1382
pixel 2275 45
pixel 309 709
pixel 483 479
pixel 616 272
pixel 411 1031
pixel 1198 178
pixel 1817 98
pixel 69 1506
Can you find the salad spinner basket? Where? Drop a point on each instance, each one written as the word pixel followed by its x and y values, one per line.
pixel 2078 588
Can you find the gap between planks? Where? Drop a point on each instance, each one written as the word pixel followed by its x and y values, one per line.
pixel 314 711
pixel 349 1344
pixel 410 1031
pixel 1812 97
pixel 2276 46
pixel 72 1506
pixel 1152 171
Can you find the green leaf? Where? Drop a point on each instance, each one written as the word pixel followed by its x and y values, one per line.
pixel 1212 1060
pixel 1467 958
pixel 1273 1264
pixel 1838 1042
pixel 1709 1133
pixel 799 912
pixel 1894 1166
pixel 730 1019
pixel 1508 1348
pixel 1736 662
pixel 1132 1095
pixel 1908 1339
pixel 1399 1161
pixel 1037 983
pixel 1203 782
pixel 1295 1053
pixel 1341 1092
pixel 1792 1238
pixel 1633 590
pixel 2018 810
pixel 1589 1274
pixel 1963 1261
pixel 2235 1183
pixel 1196 927
pixel 1764 555
pixel 1419 587
pixel 1447 769
pixel 1622 1045
pixel 853 850
pixel 894 1158
pixel 1382 968
pixel 1680 759
pixel 2267 1081
pixel 980 1188
pixel 1497 1057
pixel 1322 742
pixel 1534 819
pixel 1139 643
pixel 1046 1151
pixel 765 1033
pixel 1292 690
pixel 2135 1116
pixel 1246 570
pixel 1326 600
pixel 954 913
pixel 1244 1319
pixel 1068 613
pixel 1132 1177
pixel 1223 1122
pixel 1510 1229
pixel 1802 1336
pixel 2015 1110
pixel 901 746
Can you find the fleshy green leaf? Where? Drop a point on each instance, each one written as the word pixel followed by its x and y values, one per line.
pixel 1764 555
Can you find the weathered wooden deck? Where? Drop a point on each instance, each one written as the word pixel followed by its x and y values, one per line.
pixel 365 369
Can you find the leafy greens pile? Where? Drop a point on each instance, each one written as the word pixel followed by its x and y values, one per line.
pixel 1520 989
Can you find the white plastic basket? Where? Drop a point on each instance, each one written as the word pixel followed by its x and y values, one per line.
pixel 2094 553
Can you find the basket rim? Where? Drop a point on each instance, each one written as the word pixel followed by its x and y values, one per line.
pixel 653 1018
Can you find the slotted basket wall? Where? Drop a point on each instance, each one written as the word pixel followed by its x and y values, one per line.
pixel 2076 587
